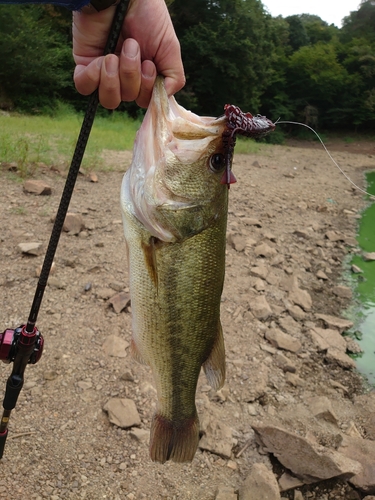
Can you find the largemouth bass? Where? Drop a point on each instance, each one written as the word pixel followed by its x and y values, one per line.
pixel 174 200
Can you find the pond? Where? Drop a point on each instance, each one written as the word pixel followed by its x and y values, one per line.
pixel 364 284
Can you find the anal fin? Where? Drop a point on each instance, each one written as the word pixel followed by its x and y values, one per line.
pixel 135 354
pixel 214 366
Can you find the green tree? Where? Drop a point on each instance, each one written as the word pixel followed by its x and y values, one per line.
pixel 35 59
pixel 298 36
pixel 360 23
pixel 317 81
pixel 226 48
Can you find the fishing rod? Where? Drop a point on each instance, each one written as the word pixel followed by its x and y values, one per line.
pixel 24 344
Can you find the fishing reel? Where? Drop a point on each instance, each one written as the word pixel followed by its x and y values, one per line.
pixel 11 341
pixel 22 348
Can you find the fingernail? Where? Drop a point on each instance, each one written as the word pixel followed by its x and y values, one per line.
pixel 148 71
pixel 99 62
pixel 111 65
pixel 130 48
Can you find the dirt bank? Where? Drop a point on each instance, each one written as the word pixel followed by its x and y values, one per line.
pixel 285 210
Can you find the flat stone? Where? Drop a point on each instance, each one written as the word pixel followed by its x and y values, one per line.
pixel 322 275
pixel 296 312
pixel 259 272
pixel 127 376
pixel 225 493
pixel 308 461
pixel 85 384
pixel 55 282
pixel 289 284
pixel 318 340
pixel 321 407
pixel 294 380
pixel 290 325
pixel 282 340
pixel 31 248
pixel 340 324
pixel 37 187
pixel 301 298
pixel 249 221
pixel 217 437
pixel 362 450
pixel 264 250
pixel 355 269
pixel 332 337
pixel 93 177
pixel 352 346
pixel 120 301
pixel 237 242
pixel 140 435
pixel 259 285
pixel 342 291
pixel 260 484
pixel 115 346
pixel 369 256
pixel 289 482
pixel 122 412
pixel 285 363
pixel 301 233
pixel 73 223
pixel 335 355
pixel 260 308
pixel 334 236
pixel 104 293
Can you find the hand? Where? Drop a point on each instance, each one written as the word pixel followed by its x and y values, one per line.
pixel 148 46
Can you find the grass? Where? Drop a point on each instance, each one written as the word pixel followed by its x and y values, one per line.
pixel 245 145
pixel 27 141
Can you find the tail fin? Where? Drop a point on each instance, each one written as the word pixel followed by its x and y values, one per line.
pixel 177 441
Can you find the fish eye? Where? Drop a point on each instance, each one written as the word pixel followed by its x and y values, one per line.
pixel 217 162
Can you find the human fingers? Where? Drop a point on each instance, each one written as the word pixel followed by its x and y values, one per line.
pixel 169 64
pixel 147 83
pixel 130 70
pixel 109 87
pixel 86 78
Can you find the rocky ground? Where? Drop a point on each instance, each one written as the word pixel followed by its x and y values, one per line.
pixel 293 420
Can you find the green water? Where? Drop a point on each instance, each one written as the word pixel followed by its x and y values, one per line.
pixel 365 290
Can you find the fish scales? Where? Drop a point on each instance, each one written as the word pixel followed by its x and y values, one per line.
pixel 175 332
pixel 175 213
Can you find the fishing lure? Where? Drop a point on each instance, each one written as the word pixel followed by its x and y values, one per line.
pixel 245 124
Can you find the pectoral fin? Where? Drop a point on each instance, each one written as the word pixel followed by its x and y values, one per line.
pixel 214 366
pixel 150 259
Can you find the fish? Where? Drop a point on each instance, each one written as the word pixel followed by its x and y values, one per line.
pixel 174 201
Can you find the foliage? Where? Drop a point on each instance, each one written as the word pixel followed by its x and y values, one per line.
pixel 227 51
pixel 33 58
pixel 297 68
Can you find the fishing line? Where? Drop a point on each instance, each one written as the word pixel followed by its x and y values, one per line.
pixel 328 153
